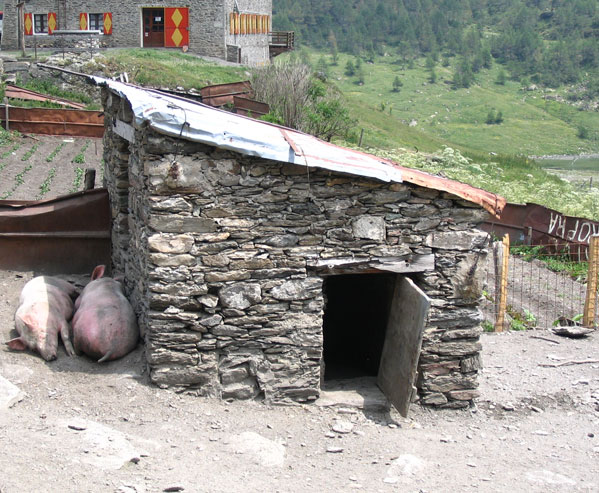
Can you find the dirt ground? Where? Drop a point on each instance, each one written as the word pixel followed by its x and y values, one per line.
pixel 26 166
pixel 75 425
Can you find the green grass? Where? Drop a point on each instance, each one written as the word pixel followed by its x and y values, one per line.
pixel 560 262
pixel 532 125
pixel 162 68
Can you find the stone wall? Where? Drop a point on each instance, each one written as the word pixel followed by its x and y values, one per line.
pixel 208 25
pixel 220 249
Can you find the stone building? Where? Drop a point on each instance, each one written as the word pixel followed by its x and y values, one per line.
pixel 236 30
pixel 260 259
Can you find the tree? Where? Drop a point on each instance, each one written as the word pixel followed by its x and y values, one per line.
pixel 299 100
pixel 350 69
pixel 397 84
pixel 500 80
pixel 432 76
pixel 333 47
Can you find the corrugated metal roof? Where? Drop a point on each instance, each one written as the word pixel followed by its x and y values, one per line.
pixel 193 121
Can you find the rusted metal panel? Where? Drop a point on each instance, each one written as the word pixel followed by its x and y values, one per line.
pixel 538 225
pixel 28 95
pixel 54 121
pixel 221 94
pixel 249 107
pixel 65 235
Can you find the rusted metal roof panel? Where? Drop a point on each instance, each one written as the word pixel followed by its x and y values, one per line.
pixel 221 94
pixel 200 123
pixel 28 95
pixel 249 107
pixel 67 235
pixel 54 121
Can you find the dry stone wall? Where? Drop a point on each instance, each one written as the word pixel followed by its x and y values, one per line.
pixel 219 252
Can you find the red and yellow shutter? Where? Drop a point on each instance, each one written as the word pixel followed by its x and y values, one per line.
pixel 28 23
pixel 237 23
pixel 83 24
pixel 232 23
pixel 52 24
pixel 242 27
pixel 176 27
pixel 107 22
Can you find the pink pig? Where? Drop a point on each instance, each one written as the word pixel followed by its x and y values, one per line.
pixel 44 311
pixel 104 325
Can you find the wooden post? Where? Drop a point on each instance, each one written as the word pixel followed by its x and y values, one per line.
pixel 6 115
pixel 590 303
pixel 361 135
pixel 21 24
pixel 505 257
pixel 90 179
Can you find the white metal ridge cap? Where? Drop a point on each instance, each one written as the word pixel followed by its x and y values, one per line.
pixel 196 122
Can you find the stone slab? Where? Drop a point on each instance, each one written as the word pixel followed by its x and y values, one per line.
pixel 10 394
pixel 360 393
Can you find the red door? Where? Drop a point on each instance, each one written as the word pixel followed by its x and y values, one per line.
pixel 177 27
pixel 153 28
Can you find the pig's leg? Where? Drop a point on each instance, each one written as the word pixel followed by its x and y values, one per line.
pixel 66 339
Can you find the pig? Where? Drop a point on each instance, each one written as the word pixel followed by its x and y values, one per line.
pixel 104 324
pixel 44 312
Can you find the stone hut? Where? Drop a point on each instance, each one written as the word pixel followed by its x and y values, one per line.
pixel 260 259
pixel 234 30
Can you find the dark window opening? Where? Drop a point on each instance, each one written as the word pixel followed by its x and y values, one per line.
pixel 40 22
pixel 355 322
pixel 96 22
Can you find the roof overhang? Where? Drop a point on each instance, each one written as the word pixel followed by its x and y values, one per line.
pixel 182 118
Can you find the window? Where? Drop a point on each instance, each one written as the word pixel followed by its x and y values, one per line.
pixel 96 22
pixel 40 22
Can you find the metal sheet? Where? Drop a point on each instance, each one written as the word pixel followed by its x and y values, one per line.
pixel 200 123
pixel 538 225
pixel 54 121
pixel 66 235
pixel 28 95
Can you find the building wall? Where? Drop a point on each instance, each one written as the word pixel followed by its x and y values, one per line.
pixel 208 24
pixel 253 47
pixel 219 252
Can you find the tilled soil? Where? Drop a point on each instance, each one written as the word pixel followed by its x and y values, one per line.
pixel 42 167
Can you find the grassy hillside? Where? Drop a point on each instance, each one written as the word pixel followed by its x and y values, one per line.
pixel 439 114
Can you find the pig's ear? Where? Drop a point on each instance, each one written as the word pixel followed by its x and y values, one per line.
pixel 98 272
pixel 17 344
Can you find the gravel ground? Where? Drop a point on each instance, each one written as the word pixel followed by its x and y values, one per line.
pixel 74 425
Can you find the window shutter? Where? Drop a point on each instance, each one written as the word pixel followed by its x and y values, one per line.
pixel 52 25
pixel 107 22
pixel 243 24
pixel 237 23
pixel 28 23
pixel 232 23
pixel 83 24
pixel 254 24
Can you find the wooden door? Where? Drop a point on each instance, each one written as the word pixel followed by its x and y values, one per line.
pixel 403 339
pixel 153 28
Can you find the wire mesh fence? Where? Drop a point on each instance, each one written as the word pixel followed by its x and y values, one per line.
pixel 544 288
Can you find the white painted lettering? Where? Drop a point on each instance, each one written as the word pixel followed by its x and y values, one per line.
pixel 572 232
pixel 582 236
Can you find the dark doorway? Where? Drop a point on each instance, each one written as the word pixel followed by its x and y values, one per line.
pixel 355 322
pixel 153 28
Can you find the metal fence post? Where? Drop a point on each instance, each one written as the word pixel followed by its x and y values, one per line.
pixel 590 304
pixel 502 308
